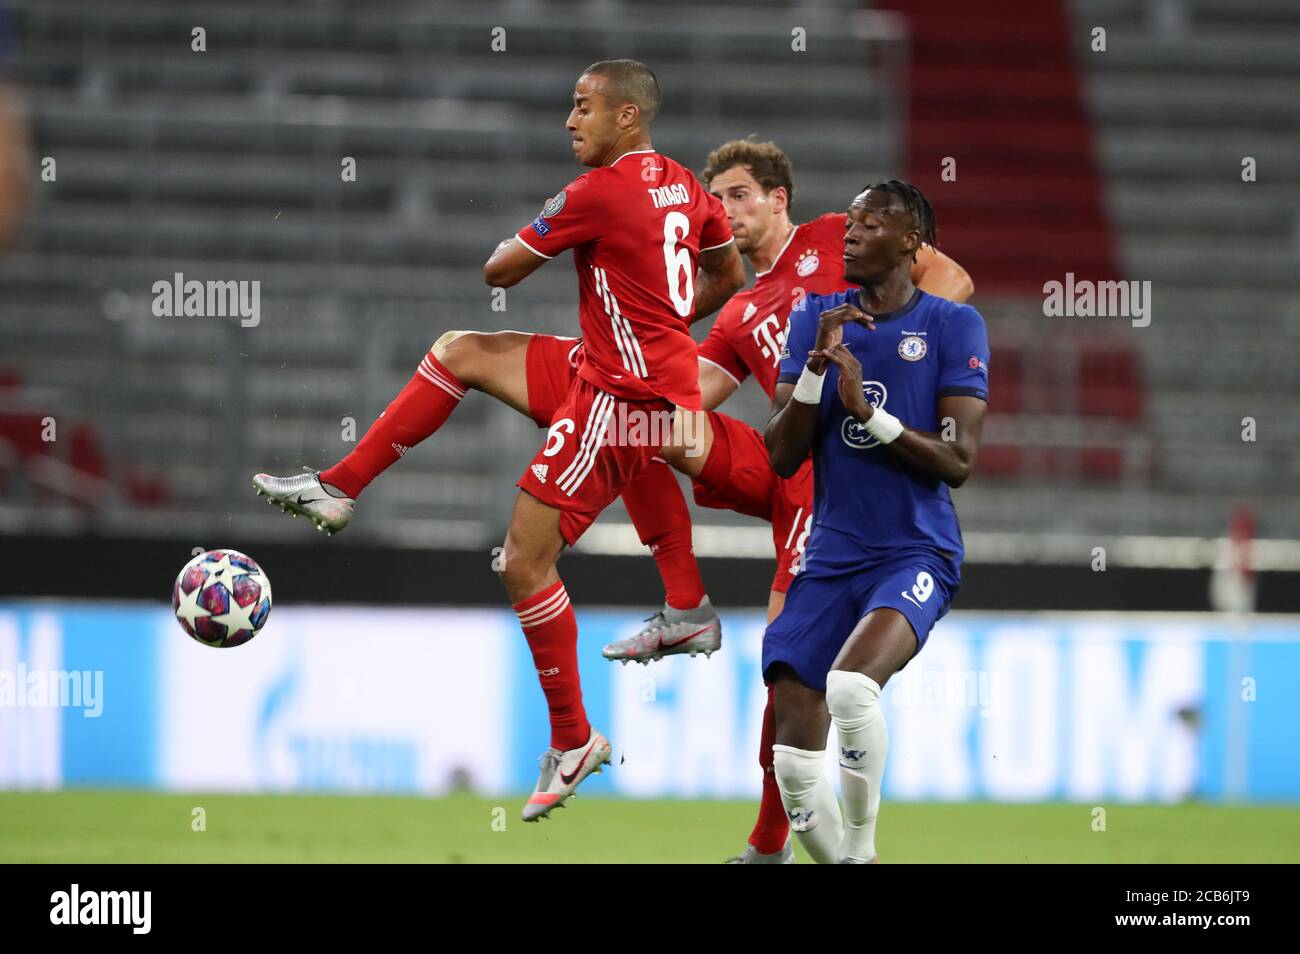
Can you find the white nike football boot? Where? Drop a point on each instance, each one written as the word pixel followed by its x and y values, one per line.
pixel 323 504
pixel 563 772
pixel 670 632
pixel 752 856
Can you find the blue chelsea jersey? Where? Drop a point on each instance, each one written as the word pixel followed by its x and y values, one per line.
pixel 928 349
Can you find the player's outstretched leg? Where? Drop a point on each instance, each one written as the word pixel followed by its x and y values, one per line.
pixel 493 363
pixel 527 569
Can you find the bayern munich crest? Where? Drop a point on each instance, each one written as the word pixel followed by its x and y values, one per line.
pixel 807 263
pixel 853 431
pixel 912 348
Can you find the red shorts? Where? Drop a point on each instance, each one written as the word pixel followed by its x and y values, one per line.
pixel 594 445
pixel 738 476
pixel 551 366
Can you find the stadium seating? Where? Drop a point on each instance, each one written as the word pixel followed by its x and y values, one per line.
pixel 226 164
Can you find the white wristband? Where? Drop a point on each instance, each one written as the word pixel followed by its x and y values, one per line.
pixel 883 426
pixel 808 389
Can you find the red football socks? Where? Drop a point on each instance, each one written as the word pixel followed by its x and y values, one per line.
pixel 658 510
pixel 552 632
pixel 773 825
pixel 419 409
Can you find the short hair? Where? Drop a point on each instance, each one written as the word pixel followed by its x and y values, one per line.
pixel 630 81
pixel 765 161
pixel 915 204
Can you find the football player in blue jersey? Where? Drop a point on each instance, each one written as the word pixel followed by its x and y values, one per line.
pixel 886 387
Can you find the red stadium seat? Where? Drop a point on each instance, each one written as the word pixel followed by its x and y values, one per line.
pixel 1007 381
pixel 1110 383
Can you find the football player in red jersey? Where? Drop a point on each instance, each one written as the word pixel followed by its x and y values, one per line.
pixel 639 224
pixel 729 463
pixel 653 252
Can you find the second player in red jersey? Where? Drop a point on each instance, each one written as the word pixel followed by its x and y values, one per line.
pixel 749 332
pixel 746 339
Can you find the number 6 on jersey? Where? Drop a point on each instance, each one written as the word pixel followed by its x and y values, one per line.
pixel 678 263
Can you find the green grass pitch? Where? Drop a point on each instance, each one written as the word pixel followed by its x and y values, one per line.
pixel 112 826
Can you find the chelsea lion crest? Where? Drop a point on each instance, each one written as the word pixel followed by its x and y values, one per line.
pixel 853 432
pixel 911 348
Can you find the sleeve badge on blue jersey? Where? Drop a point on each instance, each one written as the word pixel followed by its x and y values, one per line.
pixel 553 205
pixel 977 364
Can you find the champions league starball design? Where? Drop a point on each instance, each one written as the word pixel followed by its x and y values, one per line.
pixel 222 598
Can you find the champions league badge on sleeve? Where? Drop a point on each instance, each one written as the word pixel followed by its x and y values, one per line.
pixel 553 205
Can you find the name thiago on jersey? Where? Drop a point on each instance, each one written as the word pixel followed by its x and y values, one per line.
pixel 674 194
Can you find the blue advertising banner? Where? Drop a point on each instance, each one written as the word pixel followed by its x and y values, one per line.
pixel 1025 707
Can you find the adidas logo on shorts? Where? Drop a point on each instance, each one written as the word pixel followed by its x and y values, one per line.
pixel 539 471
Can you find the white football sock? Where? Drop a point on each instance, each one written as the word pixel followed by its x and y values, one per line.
pixel 854 702
pixel 809 802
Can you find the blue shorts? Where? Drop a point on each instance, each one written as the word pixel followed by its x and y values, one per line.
pixel 825 603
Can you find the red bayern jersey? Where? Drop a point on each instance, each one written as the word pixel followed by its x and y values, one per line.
pixel 749 332
pixel 636 228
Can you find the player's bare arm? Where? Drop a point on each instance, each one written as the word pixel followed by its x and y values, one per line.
pixel 949 456
pixel 936 274
pixel 716 385
pixel 721 275
pixel 510 263
pixel 789 433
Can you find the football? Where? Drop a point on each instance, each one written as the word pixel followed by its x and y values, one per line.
pixel 222 598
